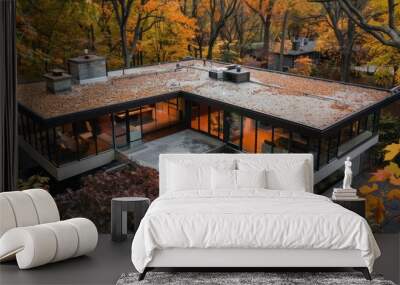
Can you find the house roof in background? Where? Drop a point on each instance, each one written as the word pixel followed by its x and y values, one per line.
pixel 311 102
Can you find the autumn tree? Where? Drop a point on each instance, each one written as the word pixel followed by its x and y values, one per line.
pixel 170 34
pixel 388 31
pixel 383 188
pixel 122 11
pixel 219 12
pixel 264 10
pixel 246 27
pixel 345 32
pixel 48 32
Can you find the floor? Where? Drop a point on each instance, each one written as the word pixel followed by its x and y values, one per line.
pixel 111 259
pixel 186 141
pixel 103 266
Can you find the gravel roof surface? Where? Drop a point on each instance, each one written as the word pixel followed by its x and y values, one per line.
pixel 312 102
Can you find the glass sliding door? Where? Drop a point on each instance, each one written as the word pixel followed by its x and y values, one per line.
pixel 149 119
pixel 216 122
pixel 299 143
pixel 121 129
pixel 233 129
pixel 203 116
pixel 264 137
pixel 195 121
pixel 281 140
pixel 173 111
pixel 104 133
pixel 249 135
pixel 135 119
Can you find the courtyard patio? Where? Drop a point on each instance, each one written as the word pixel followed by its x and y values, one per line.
pixel 186 141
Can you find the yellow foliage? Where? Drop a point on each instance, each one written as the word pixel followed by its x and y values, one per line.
pixel 366 190
pixel 392 151
pixel 394 194
pixel 303 65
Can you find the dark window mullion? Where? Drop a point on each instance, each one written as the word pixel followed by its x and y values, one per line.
pixel 75 132
pixel 209 120
pixel 34 135
pixel 23 126
pixel 241 133
pixel 318 152
pixel 41 139
pixel 273 139
pixel 290 141
pixel 338 145
pixel 329 150
pixel 127 126
pixel 112 118
pixel 55 147
pixel 256 136
pixel 48 144
pixel 141 122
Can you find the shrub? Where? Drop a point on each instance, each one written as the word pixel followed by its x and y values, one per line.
pixel 34 181
pixel 93 200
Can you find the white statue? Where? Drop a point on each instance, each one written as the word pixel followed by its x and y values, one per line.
pixel 348 174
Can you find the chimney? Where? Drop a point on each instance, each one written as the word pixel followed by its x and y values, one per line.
pixel 88 68
pixel 57 81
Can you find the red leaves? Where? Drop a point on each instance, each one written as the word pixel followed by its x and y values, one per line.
pixel 93 199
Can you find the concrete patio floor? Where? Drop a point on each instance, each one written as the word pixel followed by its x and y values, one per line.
pixel 103 266
pixel 186 141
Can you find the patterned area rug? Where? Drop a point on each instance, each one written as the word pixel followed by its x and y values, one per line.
pixel 243 278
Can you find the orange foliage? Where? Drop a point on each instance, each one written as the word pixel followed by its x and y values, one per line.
pixel 375 196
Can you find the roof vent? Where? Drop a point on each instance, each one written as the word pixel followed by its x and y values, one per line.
pixel 216 73
pixel 57 81
pixel 236 75
pixel 88 68
pixel 395 90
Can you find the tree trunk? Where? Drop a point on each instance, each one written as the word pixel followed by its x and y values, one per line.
pixel 210 49
pixel 267 35
pixel 201 50
pixel 92 38
pixel 283 38
pixel 395 70
pixel 124 46
pixel 345 63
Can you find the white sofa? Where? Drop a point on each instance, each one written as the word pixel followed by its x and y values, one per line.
pixel 31 231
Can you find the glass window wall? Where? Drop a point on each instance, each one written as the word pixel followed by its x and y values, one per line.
pixel 299 143
pixel 249 135
pixel 216 122
pixel 264 137
pixel 281 140
pixel 234 127
pixel 203 116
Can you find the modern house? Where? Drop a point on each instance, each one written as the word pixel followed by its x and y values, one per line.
pixel 70 128
pixel 293 50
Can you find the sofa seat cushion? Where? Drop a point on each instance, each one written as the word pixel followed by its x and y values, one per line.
pixel 37 245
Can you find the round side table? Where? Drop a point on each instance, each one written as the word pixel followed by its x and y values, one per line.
pixel 119 209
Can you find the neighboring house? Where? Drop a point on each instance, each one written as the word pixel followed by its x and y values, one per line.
pixel 74 131
pixel 293 50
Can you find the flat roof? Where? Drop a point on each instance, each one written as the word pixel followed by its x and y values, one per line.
pixel 308 101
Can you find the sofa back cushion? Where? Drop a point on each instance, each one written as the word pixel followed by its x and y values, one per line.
pixel 26 208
